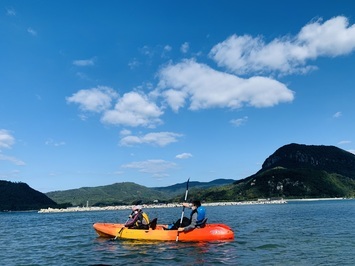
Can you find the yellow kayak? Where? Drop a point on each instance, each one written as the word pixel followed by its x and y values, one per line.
pixel 210 232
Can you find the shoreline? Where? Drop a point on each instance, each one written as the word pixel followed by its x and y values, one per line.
pixel 154 206
pixel 178 205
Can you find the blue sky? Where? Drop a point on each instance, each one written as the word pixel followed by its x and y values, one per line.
pixel 155 92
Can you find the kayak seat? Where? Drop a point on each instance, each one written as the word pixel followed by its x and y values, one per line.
pixel 202 224
pixel 153 223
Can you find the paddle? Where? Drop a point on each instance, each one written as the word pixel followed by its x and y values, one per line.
pixel 183 207
pixel 120 230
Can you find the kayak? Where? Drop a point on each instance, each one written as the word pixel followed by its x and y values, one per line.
pixel 210 232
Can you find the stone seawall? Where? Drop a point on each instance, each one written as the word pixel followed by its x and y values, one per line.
pixel 153 206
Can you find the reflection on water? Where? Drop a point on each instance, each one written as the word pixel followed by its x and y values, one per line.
pixel 152 252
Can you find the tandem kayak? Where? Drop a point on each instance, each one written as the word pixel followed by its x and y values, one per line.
pixel 210 232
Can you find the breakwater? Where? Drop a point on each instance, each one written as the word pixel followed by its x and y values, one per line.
pixel 153 206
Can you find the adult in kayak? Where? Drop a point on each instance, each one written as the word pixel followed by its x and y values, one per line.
pixel 197 218
pixel 137 219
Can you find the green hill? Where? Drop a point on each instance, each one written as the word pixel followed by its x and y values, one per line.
pixel 126 193
pixel 115 194
pixel 294 171
pixel 21 197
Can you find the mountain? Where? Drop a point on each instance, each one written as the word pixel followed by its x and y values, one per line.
pixel 295 171
pixel 21 197
pixel 115 194
pixel 325 158
pixel 292 171
pixel 127 192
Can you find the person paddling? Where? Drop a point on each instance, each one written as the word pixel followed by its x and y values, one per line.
pixel 197 218
pixel 137 219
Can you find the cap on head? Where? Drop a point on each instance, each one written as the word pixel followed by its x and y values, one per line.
pixel 137 207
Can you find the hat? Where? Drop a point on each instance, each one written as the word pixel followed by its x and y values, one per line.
pixel 137 207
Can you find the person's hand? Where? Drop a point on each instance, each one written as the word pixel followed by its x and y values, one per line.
pixel 187 205
pixel 180 229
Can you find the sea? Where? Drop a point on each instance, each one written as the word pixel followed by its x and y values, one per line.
pixel 297 233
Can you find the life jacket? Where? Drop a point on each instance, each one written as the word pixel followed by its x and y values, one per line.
pixel 136 220
pixel 145 219
pixel 201 214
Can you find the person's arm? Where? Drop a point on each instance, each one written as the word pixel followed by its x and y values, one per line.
pixel 186 205
pixel 192 224
pixel 131 220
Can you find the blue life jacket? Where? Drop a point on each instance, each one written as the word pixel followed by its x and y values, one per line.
pixel 201 214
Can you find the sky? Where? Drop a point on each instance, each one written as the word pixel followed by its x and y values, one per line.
pixel 94 93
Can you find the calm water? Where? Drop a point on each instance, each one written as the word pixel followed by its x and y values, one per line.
pixel 297 233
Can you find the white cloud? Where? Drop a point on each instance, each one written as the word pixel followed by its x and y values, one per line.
pixel 185 47
pixel 184 155
pixel 32 32
pixel 337 115
pixel 157 168
pixel 125 132
pixel 6 139
pixel 51 142
pixel 133 63
pixel 205 88
pixel 245 54
pixel 94 100
pixel 239 121
pixel 10 12
pixel 167 48
pixel 133 109
pixel 343 142
pixel 84 62
pixel 11 159
pixel 159 138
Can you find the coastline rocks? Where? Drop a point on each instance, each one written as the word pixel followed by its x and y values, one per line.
pixel 153 206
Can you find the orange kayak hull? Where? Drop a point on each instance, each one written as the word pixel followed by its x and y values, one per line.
pixel 211 232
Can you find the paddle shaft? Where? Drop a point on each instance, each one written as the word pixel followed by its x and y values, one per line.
pixel 183 207
pixel 120 230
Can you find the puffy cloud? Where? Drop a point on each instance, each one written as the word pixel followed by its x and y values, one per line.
pixel 205 88
pixel 245 54
pixel 133 109
pixel 184 155
pixel 159 138
pixel 6 139
pixel 157 168
pixel 94 100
